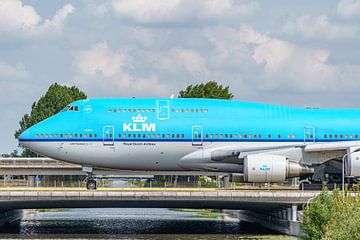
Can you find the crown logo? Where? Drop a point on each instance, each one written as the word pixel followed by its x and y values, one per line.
pixel 139 119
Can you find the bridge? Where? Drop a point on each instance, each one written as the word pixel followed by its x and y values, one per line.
pixel 275 209
pixel 278 210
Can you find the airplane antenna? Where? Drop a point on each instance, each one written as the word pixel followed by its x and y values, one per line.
pixel 172 96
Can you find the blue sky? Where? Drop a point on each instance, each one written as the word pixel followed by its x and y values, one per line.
pixel 300 53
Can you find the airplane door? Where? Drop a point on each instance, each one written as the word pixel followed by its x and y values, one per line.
pixel 162 109
pixel 108 135
pixel 197 135
pixel 309 134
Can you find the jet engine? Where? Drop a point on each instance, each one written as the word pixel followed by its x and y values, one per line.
pixel 352 165
pixel 272 168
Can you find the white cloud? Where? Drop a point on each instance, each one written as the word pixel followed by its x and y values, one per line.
pixel 348 8
pixel 272 64
pixel 100 69
pixel 179 59
pixel 320 27
pixel 19 18
pixel 9 72
pixel 99 60
pixel 180 11
pixel 57 22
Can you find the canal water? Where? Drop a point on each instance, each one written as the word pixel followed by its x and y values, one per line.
pixel 127 223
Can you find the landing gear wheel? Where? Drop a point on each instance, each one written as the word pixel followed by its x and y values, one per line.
pixel 91 184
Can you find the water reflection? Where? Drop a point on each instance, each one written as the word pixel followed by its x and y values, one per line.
pixel 130 224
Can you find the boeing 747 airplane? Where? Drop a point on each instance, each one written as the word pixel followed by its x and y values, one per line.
pixel 260 142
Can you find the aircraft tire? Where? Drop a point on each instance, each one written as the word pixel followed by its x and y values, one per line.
pixel 91 184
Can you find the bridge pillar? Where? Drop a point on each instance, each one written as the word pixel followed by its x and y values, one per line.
pixel 294 209
pixel 31 181
pixel 226 180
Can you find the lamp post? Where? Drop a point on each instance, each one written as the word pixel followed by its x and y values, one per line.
pixel 343 168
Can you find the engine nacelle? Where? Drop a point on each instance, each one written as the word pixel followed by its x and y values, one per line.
pixel 352 165
pixel 272 168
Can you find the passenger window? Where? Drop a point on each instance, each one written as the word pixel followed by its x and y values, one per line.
pixel 192 110
pixel 90 135
pixel 109 110
pixel 255 136
pixel 216 136
pixel 346 136
pixel 325 136
pixel 70 135
pixel 148 136
pixel 80 135
pixel 158 135
pixel 293 136
pixel 235 135
pixel 230 135
pixel 330 135
pixel 279 135
pixel 153 135
pixel 245 135
pixel 269 136
pixel 144 135
pixel 46 136
pixel 37 135
pixel 260 136
pixel 167 135
pixel 66 136
pixel 177 136
pixel 129 135
pixel 182 135
pixel 56 136
pixel 61 136
pixel 356 136
pixel 211 136
pixel 226 136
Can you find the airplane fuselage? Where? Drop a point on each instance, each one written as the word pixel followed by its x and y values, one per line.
pixel 181 134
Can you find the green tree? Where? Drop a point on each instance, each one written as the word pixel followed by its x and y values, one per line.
pixel 208 90
pixel 55 99
pixel 333 215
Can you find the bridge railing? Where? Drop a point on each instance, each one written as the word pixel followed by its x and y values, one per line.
pixel 33 162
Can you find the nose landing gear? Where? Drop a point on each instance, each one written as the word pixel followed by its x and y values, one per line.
pixel 91 184
pixel 90 181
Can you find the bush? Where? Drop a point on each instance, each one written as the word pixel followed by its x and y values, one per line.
pixel 332 216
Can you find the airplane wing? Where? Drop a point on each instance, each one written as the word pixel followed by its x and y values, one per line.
pixel 278 162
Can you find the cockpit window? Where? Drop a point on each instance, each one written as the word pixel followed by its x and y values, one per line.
pixel 71 108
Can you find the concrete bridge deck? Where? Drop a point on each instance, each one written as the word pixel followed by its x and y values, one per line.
pixel 154 198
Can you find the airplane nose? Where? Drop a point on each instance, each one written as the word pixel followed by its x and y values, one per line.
pixel 26 135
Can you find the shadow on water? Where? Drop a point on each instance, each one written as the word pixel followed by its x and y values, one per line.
pixel 132 224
